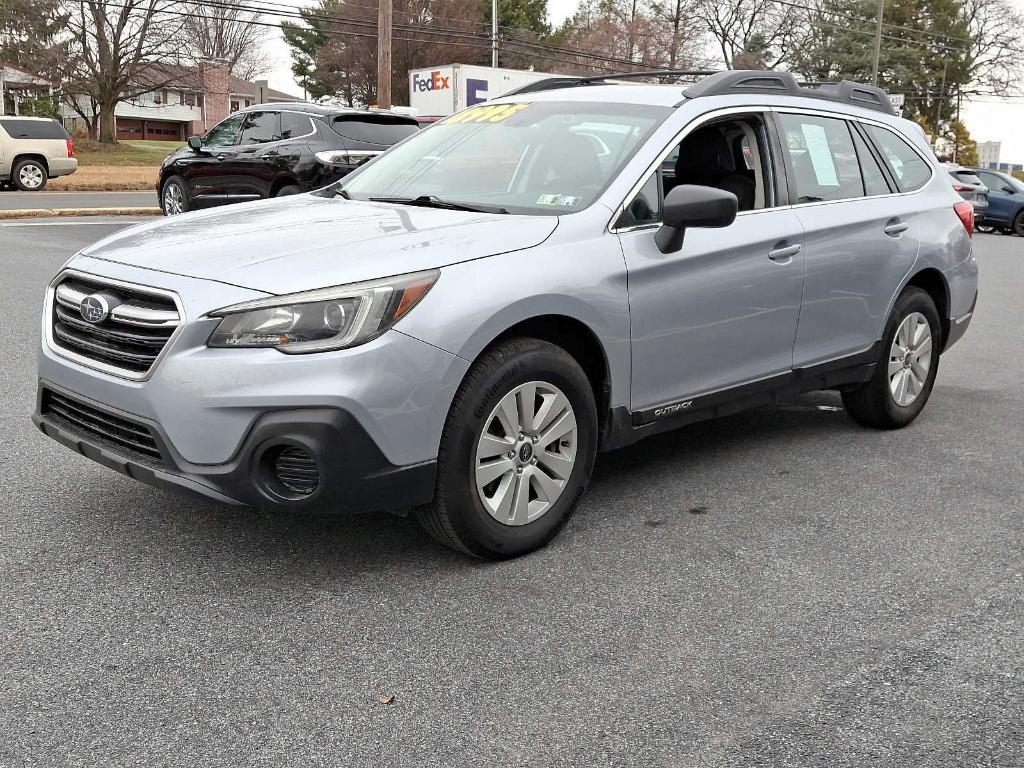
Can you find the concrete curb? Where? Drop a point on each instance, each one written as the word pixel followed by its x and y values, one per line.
pixel 36 213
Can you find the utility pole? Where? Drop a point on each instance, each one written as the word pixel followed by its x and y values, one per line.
pixel 494 33
pixel 384 55
pixel 938 103
pixel 878 42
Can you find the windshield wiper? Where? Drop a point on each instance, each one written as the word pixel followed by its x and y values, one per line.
pixel 432 201
pixel 339 192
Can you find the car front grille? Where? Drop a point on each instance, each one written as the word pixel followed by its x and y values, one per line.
pixel 128 339
pixel 84 420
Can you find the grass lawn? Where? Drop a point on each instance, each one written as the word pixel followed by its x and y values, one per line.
pixel 109 167
pixel 136 153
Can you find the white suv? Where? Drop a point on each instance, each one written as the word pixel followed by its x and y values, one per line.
pixel 33 150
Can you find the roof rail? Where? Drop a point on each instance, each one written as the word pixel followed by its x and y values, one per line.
pixel 783 83
pixel 572 81
pixel 729 81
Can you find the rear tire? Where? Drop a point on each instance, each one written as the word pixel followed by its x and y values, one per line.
pixel 174 197
pixel 508 476
pixel 906 367
pixel 288 189
pixel 29 175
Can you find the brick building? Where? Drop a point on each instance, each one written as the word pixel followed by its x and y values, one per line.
pixel 184 101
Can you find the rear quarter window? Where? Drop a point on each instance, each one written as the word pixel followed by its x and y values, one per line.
pixel 909 168
pixel 34 129
pixel 371 129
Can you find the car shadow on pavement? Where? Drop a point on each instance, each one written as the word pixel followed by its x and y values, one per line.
pixel 182 535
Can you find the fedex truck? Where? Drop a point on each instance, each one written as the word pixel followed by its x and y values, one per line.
pixel 449 88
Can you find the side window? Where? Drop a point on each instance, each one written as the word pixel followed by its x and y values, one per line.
pixel 910 170
pixel 823 158
pixel 646 205
pixel 34 129
pixel 224 133
pixel 874 180
pixel 261 128
pixel 294 125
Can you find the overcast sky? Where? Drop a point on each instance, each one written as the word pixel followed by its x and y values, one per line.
pixel 987 120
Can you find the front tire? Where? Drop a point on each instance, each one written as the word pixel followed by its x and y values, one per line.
pixel 29 175
pixel 174 197
pixel 905 371
pixel 1018 224
pixel 516 452
pixel 288 189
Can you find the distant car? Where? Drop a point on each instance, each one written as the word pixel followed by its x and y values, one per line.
pixel 34 150
pixel 970 187
pixel 1006 203
pixel 272 150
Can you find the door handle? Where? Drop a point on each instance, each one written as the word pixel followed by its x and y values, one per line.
pixel 784 252
pixel 895 227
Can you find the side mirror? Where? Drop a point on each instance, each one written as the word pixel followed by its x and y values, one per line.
pixel 195 143
pixel 1009 190
pixel 689 205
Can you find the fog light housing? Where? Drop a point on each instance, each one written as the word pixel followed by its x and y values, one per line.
pixel 289 472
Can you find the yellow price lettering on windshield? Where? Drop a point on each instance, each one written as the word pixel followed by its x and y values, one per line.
pixel 486 113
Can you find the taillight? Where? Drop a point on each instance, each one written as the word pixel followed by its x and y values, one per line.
pixel 71 147
pixel 961 188
pixel 966 213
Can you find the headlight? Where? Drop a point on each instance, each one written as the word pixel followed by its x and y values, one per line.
pixel 325 319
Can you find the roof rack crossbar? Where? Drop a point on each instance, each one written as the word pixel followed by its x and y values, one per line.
pixel 768 81
pixel 572 81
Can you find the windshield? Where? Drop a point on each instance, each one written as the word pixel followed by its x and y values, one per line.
pixel 536 158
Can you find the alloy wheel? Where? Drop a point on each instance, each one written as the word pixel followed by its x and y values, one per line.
pixel 910 359
pixel 174 200
pixel 526 453
pixel 31 176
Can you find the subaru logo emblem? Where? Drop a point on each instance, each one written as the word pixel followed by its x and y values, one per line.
pixel 94 308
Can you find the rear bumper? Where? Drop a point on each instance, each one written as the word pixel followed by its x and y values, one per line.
pixel 958 326
pixel 354 474
pixel 62 166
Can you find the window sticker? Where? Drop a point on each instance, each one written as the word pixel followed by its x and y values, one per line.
pixel 820 154
pixel 486 113
pixel 565 201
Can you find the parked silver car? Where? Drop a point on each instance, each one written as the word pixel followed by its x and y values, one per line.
pixel 461 324
pixel 971 188
pixel 33 150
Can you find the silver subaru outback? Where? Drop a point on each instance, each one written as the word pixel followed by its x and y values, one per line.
pixel 459 326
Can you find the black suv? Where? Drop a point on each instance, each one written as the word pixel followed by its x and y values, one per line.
pixel 271 150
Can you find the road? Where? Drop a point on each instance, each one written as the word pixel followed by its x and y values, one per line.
pixel 14 199
pixel 779 588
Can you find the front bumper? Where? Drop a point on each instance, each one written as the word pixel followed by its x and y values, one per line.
pixel 371 415
pixel 354 474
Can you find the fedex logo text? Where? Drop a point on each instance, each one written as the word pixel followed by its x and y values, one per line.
pixel 433 82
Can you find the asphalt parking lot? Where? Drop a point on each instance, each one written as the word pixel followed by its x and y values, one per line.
pixel 15 200
pixel 779 588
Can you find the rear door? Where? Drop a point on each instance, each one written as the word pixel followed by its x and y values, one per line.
pixel 861 236
pixel 255 165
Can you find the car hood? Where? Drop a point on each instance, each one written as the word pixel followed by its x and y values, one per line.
pixel 303 242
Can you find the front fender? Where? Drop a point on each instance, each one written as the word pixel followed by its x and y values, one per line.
pixel 476 302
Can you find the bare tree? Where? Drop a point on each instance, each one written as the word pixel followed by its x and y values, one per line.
pixel 228 33
pixel 749 31
pixel 118 51
pixel 994 47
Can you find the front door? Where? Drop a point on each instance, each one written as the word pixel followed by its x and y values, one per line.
pixel 722 311
pixel 209 172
